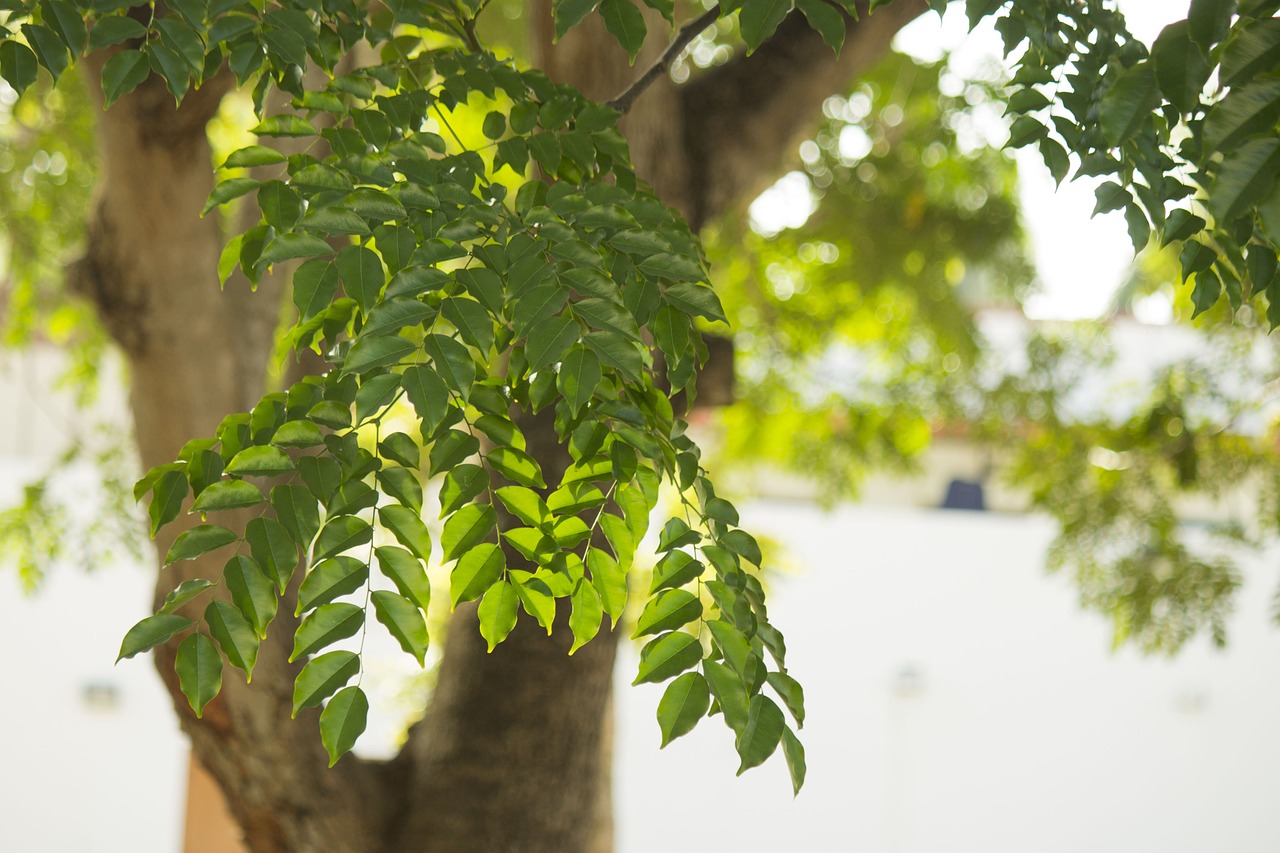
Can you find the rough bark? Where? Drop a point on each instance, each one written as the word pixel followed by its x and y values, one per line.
pixel 513 754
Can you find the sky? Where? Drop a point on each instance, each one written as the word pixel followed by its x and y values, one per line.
pixel 1080 261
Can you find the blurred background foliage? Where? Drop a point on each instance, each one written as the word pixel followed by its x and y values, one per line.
pixel 858 337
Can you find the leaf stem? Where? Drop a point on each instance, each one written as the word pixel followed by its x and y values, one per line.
pixel 622 103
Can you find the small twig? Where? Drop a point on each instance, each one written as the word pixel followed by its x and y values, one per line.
pixel 686 34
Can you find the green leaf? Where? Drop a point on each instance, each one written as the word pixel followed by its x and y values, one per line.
pixel 759 18
pixel 167 495
pixel 369 353
pixel 297 434
pixel 1207 290
pixel 321 677
pixel 1180 225
pixel 20 68
pixel 1251 50
pixel 477 570
pixel 683 704
pixel 516 465
pixel 225 190
pixel 361 274
pixel 199 669
pixel 791 692
pixel 1242 112
pixel 763 731
pixel 342 721
pixel 793 751
pixel 297 511
pixel 548 342
pixel 1129 103
pixel 584 620
pixel 626 24
pixel 228 494
pixel 251 155
pixel 1244 178
pixel 823 17
pixel 525 504
pixel 251 591
pixel 453 362
pixel 197 541
pixel 729 692
pixel 498 610
pixel 610 581
pixel 286 247
pixel 68 21
pixel 536 598
pixel 403 485
pixel 404 620
pixel 339 534
pixel 406 572
pixel 330 579
pixel 260 462
pixel 285 125
pixel 375 393
pixel 672 266
pixel 466 528
pixel 494 125
pixel 400 448
pixel 184 592
pixel 1209 21
pixel 281 206
pixel 569 13
pixel 675 569
pixel 428 394
pixel 471 320
pixel 327 624
pixel 620 538
pixel 151 632
pixel 460 486
pixel 667 656
pixel 670 609
pixel 1181 70
pixel 234 635
pixel 393 314
pixel 406 525
pixel 744 545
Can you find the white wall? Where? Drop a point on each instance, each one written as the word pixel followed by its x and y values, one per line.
pixel 1024 732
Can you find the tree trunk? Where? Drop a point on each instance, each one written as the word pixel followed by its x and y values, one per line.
pixel 513 754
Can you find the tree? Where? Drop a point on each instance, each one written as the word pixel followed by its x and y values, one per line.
pixel 456 295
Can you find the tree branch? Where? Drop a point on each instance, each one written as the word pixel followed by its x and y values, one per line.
pixel 622 103
pixel 742 119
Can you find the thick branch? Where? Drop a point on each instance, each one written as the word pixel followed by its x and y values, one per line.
pixel 686 34
pixel 743 118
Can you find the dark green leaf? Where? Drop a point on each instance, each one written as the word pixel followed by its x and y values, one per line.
pixel 234 635
pixel 759 18
pixel 19 68
pixel 151 632
pixel 404 620
pixel 228 494
pixel 298 512
pixel 1242 112
pixel 197 541
pixel 667 656
pixel 339 534
pixel 407 527
pixel 251 591
pixel 584 620
pixel 342 721
pixel 199 669
pixel 327 624
pixel 331 579
pixel 498 610
pixel 478 569
pixel 465 529
pixel 625 23
pixel 683 704
pixel 263 461
pixel 670 609
pixel 322 676
pixel 406 572
pixel 167 495
pixel 1128 103
pixel 763 731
